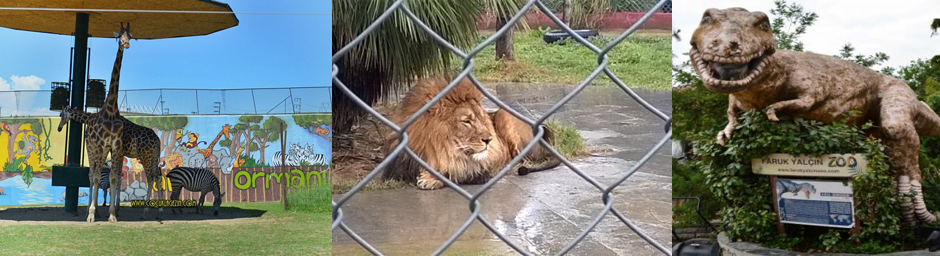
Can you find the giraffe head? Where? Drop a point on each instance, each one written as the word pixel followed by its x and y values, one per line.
pixel 64 117
pixel 124 37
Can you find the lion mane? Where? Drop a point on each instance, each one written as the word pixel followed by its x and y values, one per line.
pixel 456 136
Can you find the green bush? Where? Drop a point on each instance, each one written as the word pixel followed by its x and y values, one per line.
pixel 697 111
pixel 749 215
pixel 688 180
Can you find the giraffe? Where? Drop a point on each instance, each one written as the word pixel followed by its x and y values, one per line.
pixel 108 132
pixel 146 150
pixel 208 151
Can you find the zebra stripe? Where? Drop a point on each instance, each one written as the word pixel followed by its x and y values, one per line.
pixel 105 183
pixel 195 180
pixel 293 160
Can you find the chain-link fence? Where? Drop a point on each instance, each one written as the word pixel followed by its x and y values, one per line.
pixel 187 101
pixel 619 5
pixel 475 206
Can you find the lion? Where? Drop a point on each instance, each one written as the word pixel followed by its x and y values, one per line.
pixel 458 138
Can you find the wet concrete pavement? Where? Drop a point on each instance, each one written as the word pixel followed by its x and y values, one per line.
pixel 541 212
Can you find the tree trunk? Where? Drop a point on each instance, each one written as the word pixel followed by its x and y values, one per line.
pixel 14 131
pixel 504 43
pixel 566 13
pixel 261 146
pixel 233 148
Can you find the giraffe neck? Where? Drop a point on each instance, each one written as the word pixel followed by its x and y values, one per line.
pixel 110 104
pixel 216 139
pixel 80 116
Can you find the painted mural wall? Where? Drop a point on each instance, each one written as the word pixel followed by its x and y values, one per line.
pixel 244 152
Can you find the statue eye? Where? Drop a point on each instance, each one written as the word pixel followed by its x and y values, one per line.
pixel 706 19
pixel 765 25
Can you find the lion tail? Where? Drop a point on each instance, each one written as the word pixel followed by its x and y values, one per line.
pixel 541 153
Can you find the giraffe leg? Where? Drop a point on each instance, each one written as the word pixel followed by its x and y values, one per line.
pixel 117 160
pixel 96 160
pixel 116 194
pixel 153 170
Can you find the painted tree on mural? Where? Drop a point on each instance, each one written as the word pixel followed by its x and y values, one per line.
pixel 311 122
pixel 165 127
pixel 242 137
pixel 15 127
pixel 270 131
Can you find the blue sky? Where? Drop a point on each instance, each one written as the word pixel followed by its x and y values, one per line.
pixel 263 51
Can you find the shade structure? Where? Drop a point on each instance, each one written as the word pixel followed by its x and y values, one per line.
pixel 149 19
pixel 144 24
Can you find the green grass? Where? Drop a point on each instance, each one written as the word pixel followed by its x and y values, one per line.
pixel 641 61
pixel 567 140
pixel 311 199
pixel 276 232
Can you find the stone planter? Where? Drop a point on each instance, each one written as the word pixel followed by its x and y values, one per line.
pixel 752 249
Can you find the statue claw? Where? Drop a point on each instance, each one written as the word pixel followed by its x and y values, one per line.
pixel 772 115
pixel 723 136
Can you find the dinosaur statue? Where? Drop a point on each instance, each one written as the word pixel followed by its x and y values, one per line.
pixel 734 52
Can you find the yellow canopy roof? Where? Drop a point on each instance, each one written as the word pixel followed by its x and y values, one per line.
pixel 144 25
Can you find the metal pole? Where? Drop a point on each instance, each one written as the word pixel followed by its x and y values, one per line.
pixel 253 101
pixel 283 167
pixel 78 102
pixel 197 101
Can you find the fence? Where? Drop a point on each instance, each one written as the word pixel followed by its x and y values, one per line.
pixel 293 100
pixel 619 5
pixel 473 199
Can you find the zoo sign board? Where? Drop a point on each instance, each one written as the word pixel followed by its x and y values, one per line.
pixel 815 203
pixel 830 165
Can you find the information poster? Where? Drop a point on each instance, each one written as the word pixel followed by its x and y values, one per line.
pixel 815 203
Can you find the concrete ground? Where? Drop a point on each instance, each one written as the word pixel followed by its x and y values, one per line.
pixel 541 212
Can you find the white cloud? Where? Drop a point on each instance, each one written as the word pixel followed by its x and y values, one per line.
pixel 30 82
pixel 19 103
pixel 4 86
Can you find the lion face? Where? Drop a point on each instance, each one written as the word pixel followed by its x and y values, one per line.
pixel 472 133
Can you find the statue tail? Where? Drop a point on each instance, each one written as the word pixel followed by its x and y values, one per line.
pixel 926 122
pixel 913 203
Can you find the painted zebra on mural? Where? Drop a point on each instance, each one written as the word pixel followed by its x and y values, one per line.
pixel 297 154
pixel 195 180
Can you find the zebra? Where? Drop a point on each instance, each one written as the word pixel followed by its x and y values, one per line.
pixel 105 183
pixel 296 155
pixel 195 180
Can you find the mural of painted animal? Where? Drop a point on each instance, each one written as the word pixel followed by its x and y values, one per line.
pixel 322 132
pixel 734 52
pixel 191 157
pixel 786 186
pixel 31 145
pixel 297 154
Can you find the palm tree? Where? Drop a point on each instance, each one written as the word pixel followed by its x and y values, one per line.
pixel 399 51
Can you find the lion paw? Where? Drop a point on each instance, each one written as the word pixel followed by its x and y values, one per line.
pixel 429 183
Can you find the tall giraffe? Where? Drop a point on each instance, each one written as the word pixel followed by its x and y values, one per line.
pixel 146 149
pixel 103 135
